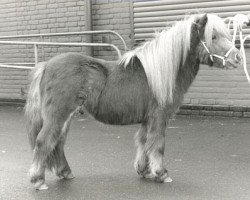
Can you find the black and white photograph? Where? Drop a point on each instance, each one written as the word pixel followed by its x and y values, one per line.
pixel 124 99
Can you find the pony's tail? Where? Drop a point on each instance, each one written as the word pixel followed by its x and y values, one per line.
pixel 33 104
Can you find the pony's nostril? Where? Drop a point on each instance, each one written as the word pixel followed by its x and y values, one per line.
pixel 237 58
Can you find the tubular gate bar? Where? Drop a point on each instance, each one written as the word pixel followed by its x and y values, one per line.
pixel 35 44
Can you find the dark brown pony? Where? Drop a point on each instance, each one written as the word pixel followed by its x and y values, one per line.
pixel 146 86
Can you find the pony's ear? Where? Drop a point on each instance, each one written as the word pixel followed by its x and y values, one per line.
pixel 201 22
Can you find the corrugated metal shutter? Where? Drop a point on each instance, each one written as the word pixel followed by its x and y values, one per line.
pixel 150 16
pixel 212 86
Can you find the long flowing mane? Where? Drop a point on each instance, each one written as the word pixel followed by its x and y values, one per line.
pixel 162 56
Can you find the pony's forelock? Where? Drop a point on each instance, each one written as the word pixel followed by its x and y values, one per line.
pixel 215 24
pixel 161 58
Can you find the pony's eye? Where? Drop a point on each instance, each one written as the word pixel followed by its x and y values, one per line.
pixel 214 37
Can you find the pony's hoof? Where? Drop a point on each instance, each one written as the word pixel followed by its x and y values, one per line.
pixel 40 185
pixel 66 175
pixel 168 180
pixel 69 176
pixel 148 176
pixel 162 176
pixel 162 179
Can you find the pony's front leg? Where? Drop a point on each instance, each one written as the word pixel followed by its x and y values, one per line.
pixel 155 146
pixel 141 160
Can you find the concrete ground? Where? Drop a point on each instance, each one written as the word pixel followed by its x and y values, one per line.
pixel 207 158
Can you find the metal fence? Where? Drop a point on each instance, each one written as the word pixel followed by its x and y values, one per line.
pixel 36 44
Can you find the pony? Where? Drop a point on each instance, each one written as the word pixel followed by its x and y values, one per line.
pixel 146 86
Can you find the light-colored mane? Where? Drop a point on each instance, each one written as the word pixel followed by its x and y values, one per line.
pixel 162 56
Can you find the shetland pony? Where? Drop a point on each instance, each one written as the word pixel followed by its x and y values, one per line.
pixel 146 86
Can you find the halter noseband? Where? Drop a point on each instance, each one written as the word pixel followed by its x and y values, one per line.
pixel 211 55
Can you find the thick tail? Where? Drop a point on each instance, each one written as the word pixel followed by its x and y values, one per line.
pixel 33 104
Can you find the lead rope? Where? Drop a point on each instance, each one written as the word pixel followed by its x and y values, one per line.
pixel 242 49
pixel 238 22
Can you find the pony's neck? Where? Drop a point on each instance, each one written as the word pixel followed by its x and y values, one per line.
pixel 188 71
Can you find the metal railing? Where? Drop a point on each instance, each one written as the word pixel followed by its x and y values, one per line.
pixel 36 44
pixel 41 35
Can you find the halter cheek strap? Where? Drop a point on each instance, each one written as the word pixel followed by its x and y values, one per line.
pixel 205 47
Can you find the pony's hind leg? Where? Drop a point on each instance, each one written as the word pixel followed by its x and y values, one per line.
pixel 58 161
pixel 141 160
pixel 46 142
pixel 62 169
pixel 155 146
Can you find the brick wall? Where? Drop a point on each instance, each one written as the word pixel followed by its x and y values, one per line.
pixel 111 15
pixel 18 17
pixel 53 16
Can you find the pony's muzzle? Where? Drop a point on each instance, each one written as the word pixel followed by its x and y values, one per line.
pixel 235 59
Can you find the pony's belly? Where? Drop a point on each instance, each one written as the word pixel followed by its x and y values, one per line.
pixel 119 116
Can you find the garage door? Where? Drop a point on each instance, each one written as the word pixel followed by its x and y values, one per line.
pixel 150 16
pixel 212 86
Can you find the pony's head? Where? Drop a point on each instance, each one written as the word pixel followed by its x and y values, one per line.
pixel 216 47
